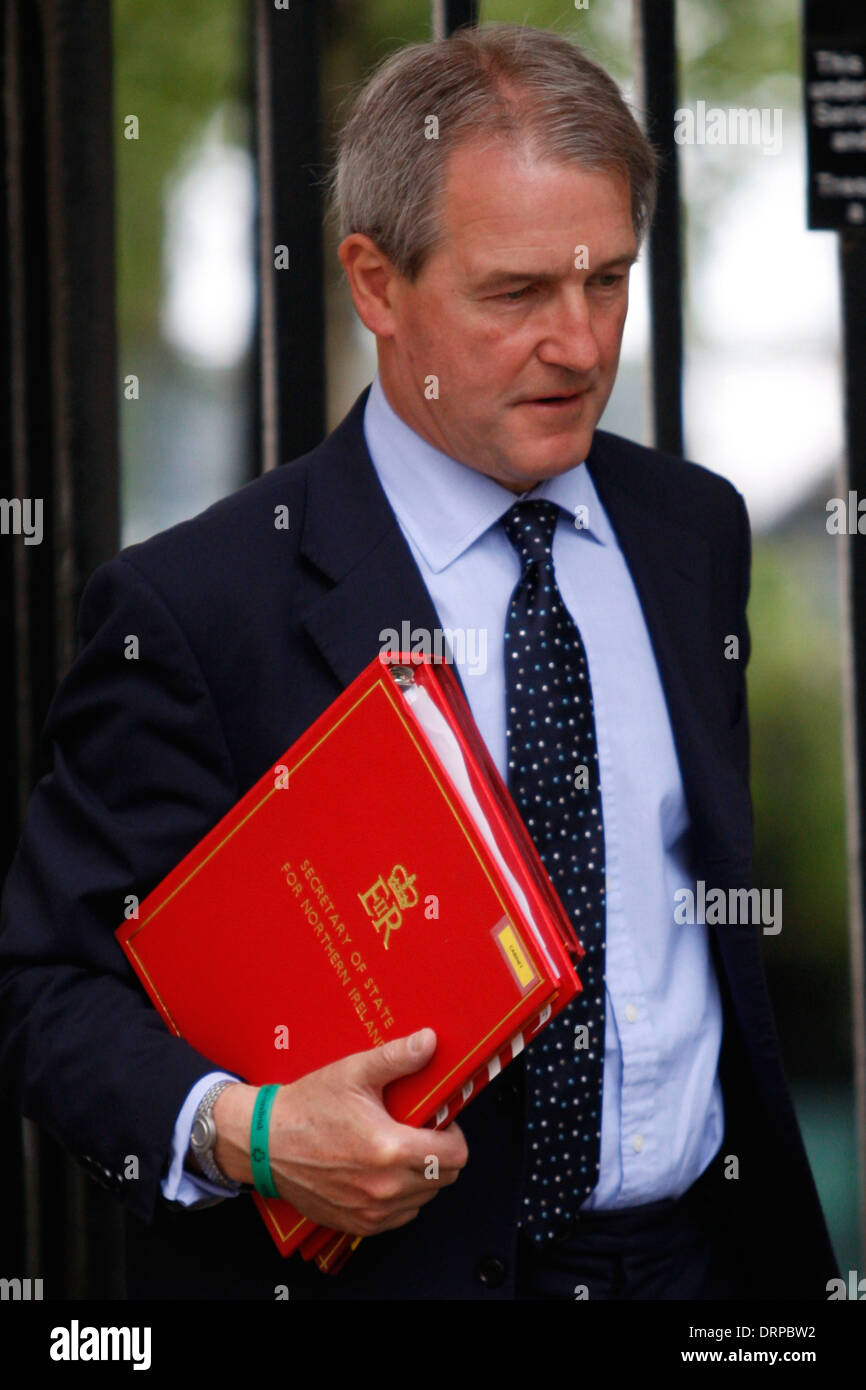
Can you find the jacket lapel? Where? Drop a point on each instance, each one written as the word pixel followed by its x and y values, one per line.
pixel 351 536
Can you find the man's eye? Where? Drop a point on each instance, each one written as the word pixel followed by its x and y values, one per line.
pixel 514 296
pixel 608 281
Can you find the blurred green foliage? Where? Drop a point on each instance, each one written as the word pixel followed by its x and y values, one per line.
pixel 725 46
pixel 796 718
pixel 173 66
pixel 794 681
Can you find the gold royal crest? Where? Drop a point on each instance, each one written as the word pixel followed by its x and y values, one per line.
pixel 387 900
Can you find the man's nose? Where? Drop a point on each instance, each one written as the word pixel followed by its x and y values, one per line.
pixel 566 333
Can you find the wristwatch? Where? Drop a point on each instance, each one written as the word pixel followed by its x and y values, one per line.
pixel 203 1137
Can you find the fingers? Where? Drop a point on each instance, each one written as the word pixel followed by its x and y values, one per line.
pixel 399 1057
pixel 419 1158
pixel 376 1217
pixel 341 1159
pixel 399 1185
pixel 446 1146
pixel 454 1151
pixel 399 1219
pixel 391 1197
pixel 373 1225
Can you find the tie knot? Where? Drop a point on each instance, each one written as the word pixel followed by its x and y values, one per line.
pixel 530 527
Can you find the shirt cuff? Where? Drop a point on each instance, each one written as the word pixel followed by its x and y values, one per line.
pixel 180 1185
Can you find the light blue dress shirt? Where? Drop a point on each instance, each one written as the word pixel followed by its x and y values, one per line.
pixel 662 1111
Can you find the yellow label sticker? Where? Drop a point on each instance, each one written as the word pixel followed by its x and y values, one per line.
pixel 514 952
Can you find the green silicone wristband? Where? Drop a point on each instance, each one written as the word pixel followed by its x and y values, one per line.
pixel 259 1160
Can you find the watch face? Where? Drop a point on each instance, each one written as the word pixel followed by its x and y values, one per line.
pixel 201 1136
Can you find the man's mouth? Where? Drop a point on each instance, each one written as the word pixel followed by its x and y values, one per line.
pixel 557 402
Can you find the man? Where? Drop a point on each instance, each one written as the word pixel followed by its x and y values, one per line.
pixel 492 192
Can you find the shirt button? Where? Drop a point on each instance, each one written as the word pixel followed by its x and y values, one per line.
pixel 491 1271
pixel 637 1143
pixel 631 1013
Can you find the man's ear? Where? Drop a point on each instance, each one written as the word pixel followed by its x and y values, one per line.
pixel 372 280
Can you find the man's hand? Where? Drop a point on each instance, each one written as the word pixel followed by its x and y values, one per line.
pixel 335 1152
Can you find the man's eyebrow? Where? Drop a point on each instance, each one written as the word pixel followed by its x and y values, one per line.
pixel 502 276
pixel 628 258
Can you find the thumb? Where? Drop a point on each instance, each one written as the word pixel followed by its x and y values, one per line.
pixel 398 1057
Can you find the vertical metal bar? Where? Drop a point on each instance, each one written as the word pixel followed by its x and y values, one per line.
pixel 22 376
pixel 852 267
pixel 448 15
pixel 80 197
pixel 655 32
pixel 831 25
pixel 27 379
pixel 61 448
pixel 268 411
pixel 292 314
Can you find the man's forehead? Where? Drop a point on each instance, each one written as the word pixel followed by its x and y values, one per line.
pixel 482 170
pixel 496 198
pixel 497 250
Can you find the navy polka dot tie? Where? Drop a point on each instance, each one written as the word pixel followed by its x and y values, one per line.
pixel 553 775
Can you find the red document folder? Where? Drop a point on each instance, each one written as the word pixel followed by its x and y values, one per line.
pixel 352 896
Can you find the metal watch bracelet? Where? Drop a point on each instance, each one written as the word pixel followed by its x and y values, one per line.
pixel 203 1136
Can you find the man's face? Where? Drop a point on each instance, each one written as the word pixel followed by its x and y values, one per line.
pixel 509 314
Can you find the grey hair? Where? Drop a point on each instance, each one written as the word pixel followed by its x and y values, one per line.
pixel 504 82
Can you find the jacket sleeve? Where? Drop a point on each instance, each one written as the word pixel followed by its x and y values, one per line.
pixel 140 772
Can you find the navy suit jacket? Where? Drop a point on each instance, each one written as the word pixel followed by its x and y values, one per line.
pixel 246 632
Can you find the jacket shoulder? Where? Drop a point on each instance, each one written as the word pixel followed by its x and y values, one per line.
pixel 688 492
pixel 254 535
pixel 249 527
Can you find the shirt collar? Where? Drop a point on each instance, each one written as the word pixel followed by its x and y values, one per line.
pixel 443 505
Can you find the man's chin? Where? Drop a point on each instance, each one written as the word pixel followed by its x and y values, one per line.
pixel 537 463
